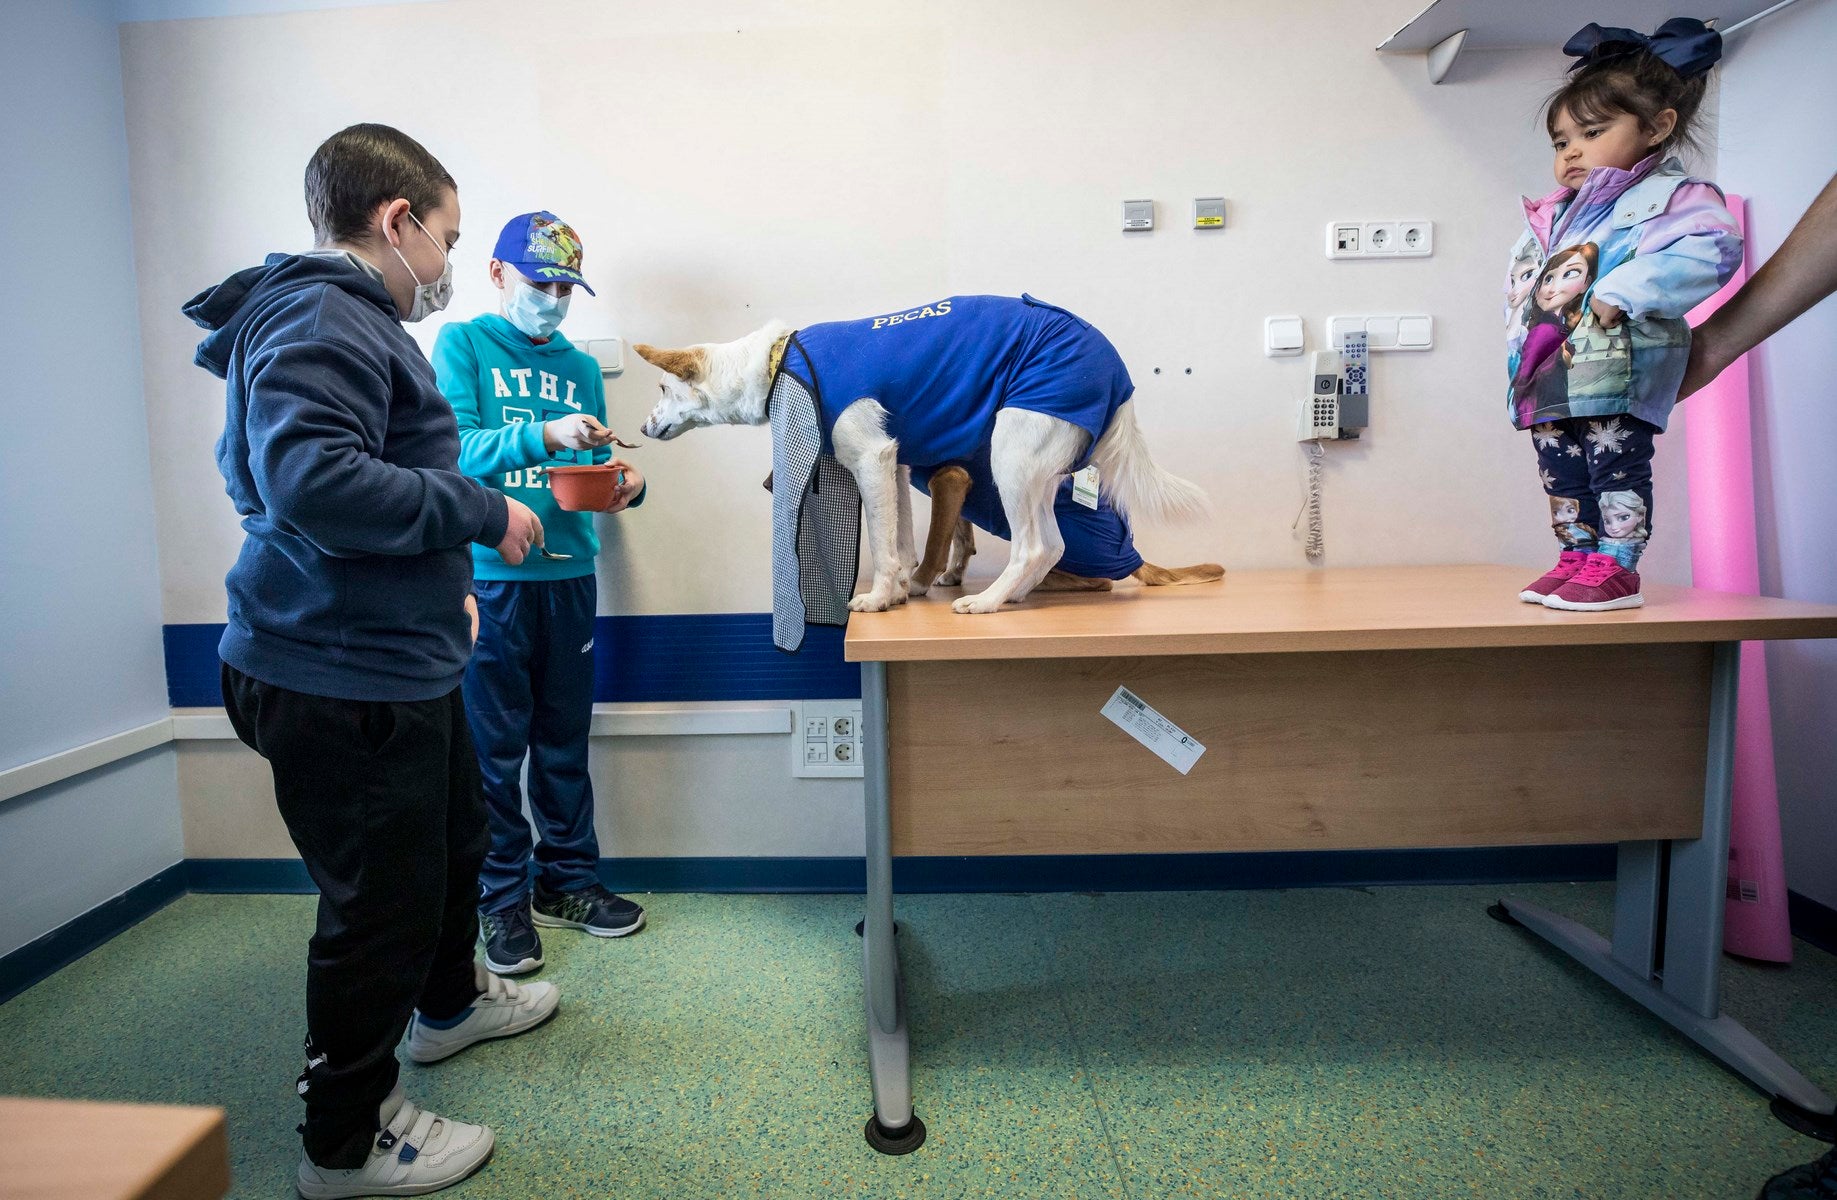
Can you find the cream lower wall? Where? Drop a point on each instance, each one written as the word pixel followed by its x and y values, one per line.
pixel 723 795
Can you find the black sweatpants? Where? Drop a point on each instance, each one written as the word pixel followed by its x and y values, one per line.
pixel 383 801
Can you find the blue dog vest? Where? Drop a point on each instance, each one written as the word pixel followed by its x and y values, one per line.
pixel 943 370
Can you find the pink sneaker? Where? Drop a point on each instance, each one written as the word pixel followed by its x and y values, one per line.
pixel 1567 564
pixel 1600 585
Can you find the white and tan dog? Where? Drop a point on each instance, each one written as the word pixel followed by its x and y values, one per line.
pixel 1031 449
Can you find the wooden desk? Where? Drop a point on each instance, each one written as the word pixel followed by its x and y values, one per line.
pixel 1354 709
pixel 78 1150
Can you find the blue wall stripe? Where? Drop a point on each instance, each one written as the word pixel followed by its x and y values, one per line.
pixel 191 666
pixel 642 659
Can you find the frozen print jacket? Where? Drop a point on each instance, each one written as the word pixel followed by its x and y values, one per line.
pixel 1654 243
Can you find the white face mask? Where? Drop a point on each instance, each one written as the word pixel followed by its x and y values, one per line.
pixel 536 313
pixel 430 298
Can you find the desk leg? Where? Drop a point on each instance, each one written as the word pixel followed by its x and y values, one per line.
pixel 1683 915
pixel 893 1129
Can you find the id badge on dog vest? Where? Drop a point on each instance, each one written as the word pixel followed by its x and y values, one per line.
pixel 1084 486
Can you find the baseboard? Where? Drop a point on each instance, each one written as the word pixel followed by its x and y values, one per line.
pixel 1812 922
pixel 1027 873
pixel 73 939
pixel 237 875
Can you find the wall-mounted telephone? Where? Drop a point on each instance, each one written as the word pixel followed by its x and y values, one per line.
pixel 1337 405
pixel 1320 408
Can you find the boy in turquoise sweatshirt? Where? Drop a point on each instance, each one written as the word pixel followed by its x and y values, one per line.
pixel 527 399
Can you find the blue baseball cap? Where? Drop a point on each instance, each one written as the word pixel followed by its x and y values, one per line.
pixel 544 248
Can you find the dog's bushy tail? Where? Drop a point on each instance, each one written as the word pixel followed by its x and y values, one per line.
pixel 1132 481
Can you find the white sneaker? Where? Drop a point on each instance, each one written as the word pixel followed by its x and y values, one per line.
pixel 503 1009
pixel 415 1153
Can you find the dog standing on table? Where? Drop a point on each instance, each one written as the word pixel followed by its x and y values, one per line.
pixel 1036 387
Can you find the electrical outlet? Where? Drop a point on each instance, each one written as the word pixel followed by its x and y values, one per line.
pixel 830 743
pixel 1380 239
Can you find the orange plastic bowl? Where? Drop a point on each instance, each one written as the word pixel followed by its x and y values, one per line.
pixel 584 488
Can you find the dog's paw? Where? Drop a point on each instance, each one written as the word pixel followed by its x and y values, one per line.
pixel 950 579
pixel 916 586
pixel 876 601
pixel 978 603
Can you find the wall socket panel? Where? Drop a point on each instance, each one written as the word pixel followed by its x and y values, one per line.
pixel 1380 239
pixel 826 741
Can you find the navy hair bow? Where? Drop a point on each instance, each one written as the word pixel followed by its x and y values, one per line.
pixel 1686 44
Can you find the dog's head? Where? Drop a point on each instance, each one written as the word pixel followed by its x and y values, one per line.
pixel 685 404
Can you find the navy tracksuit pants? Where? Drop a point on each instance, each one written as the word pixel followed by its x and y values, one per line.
pixel 529 692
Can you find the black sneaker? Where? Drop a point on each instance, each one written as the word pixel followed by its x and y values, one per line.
pixel 1812 1181
pixel 592 908
pixel 511 944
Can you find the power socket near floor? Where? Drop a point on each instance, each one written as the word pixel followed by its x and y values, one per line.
pixel 827 739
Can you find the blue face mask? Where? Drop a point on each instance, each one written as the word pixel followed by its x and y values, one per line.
pixel 536 313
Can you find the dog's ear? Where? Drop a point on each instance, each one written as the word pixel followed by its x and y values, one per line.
pixel 690 366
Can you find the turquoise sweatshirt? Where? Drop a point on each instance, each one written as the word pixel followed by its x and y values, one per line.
pixel 504 388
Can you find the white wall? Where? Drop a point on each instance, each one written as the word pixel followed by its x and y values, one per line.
pixel 727 162
pixel 732 161
pixel 80 653
pixel 1776 75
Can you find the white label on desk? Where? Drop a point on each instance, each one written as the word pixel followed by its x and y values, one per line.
pixel 1153 730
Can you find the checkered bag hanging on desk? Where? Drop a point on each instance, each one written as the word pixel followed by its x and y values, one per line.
pixel 816 520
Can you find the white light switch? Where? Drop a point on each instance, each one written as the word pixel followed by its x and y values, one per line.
pixel 1282 336
pixel 609 351
pixel 1412 331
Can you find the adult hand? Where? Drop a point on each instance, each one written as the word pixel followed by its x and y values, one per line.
pixel 1706 361
pixel 628 489
pixel 580 431
pixel 472 611
pixel 1607 314
pixel 524 531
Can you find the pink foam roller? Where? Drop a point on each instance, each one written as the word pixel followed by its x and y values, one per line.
pixel 1724 556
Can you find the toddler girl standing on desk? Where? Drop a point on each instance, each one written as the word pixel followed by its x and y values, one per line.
pixel 1625 246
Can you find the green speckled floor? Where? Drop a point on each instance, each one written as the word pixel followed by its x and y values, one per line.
pixel 1309 1044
